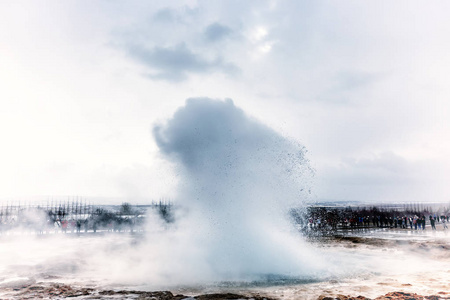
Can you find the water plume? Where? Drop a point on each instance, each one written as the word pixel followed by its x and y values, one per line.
pixel 238 177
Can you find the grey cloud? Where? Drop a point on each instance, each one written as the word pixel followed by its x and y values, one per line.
pixel 344 84
pixel 386 168
pixel 382 177
pixel 165 15
pixel 216 31
pixel 351 80
pixel 170 15
pixel 176 63
pixel 387 161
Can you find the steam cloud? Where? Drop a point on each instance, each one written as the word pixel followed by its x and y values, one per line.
pixel 238 178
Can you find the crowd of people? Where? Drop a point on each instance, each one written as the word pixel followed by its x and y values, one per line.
pixel 69 225
pixel 323 218
pixel 62 219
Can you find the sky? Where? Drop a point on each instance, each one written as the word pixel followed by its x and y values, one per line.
pixel 363 86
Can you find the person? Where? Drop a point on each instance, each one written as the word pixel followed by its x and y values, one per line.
pixel 72 225
pixel 433 223
pixel 131 224
pixel 57 225
pixel 64 224
pixel 444 224
pixel 78 226
pixel 86 225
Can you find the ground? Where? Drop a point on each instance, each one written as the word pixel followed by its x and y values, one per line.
pixel 381 265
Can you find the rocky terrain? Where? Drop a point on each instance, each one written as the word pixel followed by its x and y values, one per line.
pixel 61 291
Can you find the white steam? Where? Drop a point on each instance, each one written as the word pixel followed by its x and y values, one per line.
pixel 238 179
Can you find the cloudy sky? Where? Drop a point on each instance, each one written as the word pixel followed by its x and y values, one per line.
pixel 362 85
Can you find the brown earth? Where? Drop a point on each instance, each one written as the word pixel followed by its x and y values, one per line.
pixel 60 291
pixel 392 296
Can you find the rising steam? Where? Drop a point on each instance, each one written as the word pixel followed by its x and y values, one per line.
pixel 238 179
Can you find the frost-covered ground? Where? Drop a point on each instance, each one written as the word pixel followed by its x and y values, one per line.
pixel 366 263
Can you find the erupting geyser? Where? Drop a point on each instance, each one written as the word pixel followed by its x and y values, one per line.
pixel 238 179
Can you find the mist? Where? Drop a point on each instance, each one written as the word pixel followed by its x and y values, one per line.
pixel 238 179
pixel 230 225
